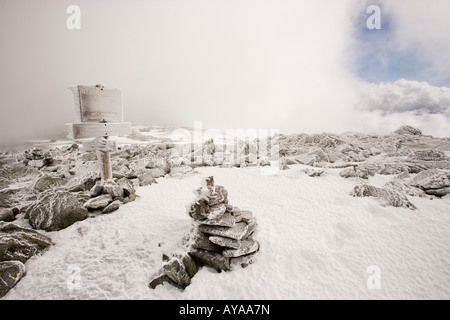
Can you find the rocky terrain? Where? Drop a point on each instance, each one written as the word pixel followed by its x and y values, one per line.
pixel 45 189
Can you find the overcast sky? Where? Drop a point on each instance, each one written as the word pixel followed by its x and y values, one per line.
pixel 297 66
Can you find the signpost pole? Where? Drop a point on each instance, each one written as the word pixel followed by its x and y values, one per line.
pixel 105 158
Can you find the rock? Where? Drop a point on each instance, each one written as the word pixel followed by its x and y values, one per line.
pixel 243 261
pixel 408 130
pixel 246 216
pixel 175 270
pixel 113 189
pixel 438 192
pixel 6 215
pixel 83 184
pixel 127 186
pixel 431 179
pixel 146 179
pixel 10 273
pixel 387 196
pixel 113 206
pixel 226 219
pixel 159 278
pixel 225 242
pixel 354 172
pixel 47 182
pixel 246 246
pixel 216 211
pixel 99 202
pixel 220 195
pixel 237 232
pixel 201 241
pixel 18 243
pixel 313 173
pixel 97 189
pixel 56 211
pixel 37 164
pixel 213 259
pixel 199 210
pixel 429 155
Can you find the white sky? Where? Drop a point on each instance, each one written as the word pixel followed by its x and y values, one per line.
pixel 284 64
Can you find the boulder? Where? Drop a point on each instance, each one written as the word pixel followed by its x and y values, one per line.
pixel 47 182
pixel 438 192
pixel 6 215
pixel 10 273
pixel 408 130
pixel 98 203
pixel 429 155
pixel 225 242
pixel 56 211
pixel 386 196
pixel 431 179
pixel 18 243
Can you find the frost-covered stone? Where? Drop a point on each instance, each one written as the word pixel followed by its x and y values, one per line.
pixel 10 273
pixel 56 211
pixel 431 179
pixel 225 242
pixel 236 232
pixel 387 196
pixel 246 246
pixel 113 206
pixel 213 259
pixel 408 130
pixel 46 182
pixel 19 243
pixel 429 155
pixel 6 215
pixel 99 202
pixel 225 219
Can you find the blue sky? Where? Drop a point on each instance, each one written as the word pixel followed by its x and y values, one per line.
pixel 381 61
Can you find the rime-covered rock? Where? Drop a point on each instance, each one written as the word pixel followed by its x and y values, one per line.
pixel 47 182
pixel 19 243
pixel 431 179
pixel 56 211
pixel 408 130
pixel 6 215
pixel 113 206
pixel 213 259
pixel 10 273
pixel 98 203
pixel 429 155
pixel 386 196
pixel 246 246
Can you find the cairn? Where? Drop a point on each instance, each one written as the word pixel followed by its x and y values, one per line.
pixel 220 237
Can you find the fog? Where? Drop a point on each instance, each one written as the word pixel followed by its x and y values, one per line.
pixel 287 65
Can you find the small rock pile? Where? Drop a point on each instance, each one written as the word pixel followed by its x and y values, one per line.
pixel 220 237
pixel 108 196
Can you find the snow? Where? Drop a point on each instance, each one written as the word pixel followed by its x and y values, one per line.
pixel 316 242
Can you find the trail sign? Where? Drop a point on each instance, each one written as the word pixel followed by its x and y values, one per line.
pixel 99 113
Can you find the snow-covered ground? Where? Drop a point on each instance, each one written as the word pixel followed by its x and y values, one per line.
pixel 316 242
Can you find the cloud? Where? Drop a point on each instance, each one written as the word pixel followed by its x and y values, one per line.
pixel 406 96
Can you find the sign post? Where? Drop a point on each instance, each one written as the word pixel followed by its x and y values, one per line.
pixel 99 115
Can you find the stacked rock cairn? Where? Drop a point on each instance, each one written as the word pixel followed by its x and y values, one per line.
pixel 220 237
